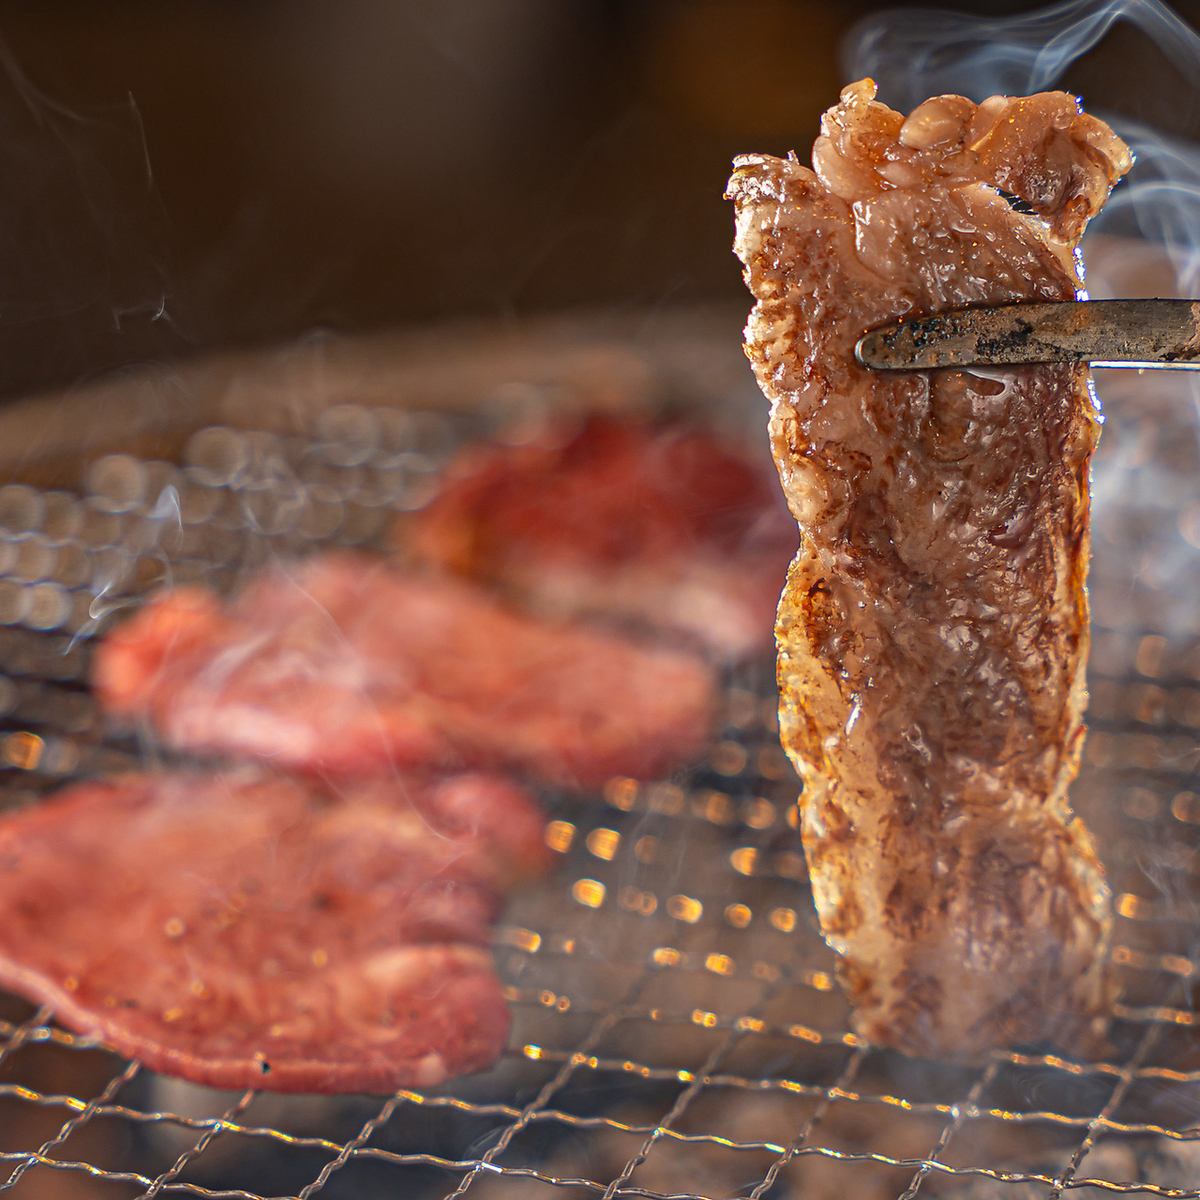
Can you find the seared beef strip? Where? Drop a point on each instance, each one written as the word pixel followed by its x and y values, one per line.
pixel 933 632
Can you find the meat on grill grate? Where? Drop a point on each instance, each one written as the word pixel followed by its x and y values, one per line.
pixel 932 635
pixel 242 930
pixel 344 666
pixel 661 525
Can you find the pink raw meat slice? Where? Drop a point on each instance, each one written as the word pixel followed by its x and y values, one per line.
pixel 345 666
pixel 663 525
pixel 243 930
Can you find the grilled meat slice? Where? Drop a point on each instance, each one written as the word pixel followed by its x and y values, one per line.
pixel 344 666
pixel 933 632
pixel 662 526
pixel 242 930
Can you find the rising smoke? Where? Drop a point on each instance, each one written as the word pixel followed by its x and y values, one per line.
pixel 916 53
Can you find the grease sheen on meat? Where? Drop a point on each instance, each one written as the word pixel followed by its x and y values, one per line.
pixel 242 930
pixel 344 666
pixel 932 635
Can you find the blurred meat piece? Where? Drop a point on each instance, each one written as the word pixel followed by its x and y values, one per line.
pixel 242 930
pixel 933 632
pixel 344 666
pixel 661 525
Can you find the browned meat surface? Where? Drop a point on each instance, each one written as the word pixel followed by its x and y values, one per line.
pixel 245 931
pixel 660 525
pixel 344 666
pixel 933 632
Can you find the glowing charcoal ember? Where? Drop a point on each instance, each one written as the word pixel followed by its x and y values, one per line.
pixel 345 666
pixel 241 930
pixel 933 632
pixel 664 526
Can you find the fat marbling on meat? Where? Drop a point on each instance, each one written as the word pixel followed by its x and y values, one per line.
pixel 245 930
pixel 933 631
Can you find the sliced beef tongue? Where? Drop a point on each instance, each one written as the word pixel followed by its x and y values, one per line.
pixel 661 525
pixel 244 930
pixel 343 665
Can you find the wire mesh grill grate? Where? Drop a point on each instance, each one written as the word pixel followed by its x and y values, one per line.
pixel 677 1029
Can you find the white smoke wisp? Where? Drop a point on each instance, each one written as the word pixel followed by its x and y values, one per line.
pixel 111 591
pixel 916 53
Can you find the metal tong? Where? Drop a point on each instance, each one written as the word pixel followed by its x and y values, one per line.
pixel 1155 334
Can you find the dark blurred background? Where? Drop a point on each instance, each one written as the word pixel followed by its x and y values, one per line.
pixel 181 175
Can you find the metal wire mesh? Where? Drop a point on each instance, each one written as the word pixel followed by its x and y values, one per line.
pixel 677 1031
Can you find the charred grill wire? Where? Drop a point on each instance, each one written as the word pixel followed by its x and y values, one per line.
pixel 677 1031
